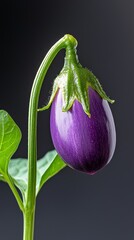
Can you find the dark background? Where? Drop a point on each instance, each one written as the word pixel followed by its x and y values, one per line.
pixel 72 205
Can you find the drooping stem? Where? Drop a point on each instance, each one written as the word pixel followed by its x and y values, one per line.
pixel 29 213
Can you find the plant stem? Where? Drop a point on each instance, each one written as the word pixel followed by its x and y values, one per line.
pixel 14 191
pixel 66 41
pixel 28 218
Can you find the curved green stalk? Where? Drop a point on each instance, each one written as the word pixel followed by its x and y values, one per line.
pixel 65 42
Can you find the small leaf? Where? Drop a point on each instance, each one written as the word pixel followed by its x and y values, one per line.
pixel 18 171
pixel 10 136
pixel 47 167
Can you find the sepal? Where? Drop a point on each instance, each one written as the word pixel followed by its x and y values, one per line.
pixel 74 81
pixel 95 84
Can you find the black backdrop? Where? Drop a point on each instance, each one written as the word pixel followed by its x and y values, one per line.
pixel 72 205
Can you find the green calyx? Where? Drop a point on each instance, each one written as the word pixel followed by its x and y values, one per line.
pixel 74 81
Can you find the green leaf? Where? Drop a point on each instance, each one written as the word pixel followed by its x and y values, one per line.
pixel 47 167
pixel 10 136
pixel 18 171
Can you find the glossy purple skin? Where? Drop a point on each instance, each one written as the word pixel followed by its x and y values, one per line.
pixel 85 144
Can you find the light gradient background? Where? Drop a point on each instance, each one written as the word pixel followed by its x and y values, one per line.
pixel 72 205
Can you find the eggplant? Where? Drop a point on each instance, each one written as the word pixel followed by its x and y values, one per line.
pixel 85 143
pixel 81 122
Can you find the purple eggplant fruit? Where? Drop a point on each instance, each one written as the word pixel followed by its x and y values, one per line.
pixel 85 143
pixel 81 122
